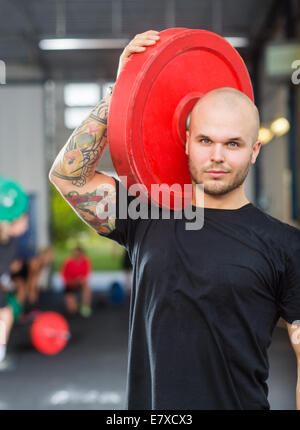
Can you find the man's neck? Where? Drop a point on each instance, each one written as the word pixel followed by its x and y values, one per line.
pixel 231 206
pixel 226 201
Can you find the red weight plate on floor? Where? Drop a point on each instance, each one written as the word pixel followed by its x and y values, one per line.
pixel 152 98
pixel 49 333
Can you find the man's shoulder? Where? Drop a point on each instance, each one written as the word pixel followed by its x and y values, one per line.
pixel 278 229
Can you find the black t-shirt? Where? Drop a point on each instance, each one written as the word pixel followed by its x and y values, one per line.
pixel 204 304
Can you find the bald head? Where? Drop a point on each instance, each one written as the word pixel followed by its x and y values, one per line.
pixel 228 105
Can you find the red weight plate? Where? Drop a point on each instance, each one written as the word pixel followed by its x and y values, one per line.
pixel 152 98
pixel 49 333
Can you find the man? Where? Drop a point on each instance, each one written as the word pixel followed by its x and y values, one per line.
pixel 75 272
pixel 204 302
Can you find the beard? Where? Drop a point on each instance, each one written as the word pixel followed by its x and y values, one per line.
pixel 219 186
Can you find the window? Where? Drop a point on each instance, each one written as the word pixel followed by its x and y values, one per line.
pixel 80 98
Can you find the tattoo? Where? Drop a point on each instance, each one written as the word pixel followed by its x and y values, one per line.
pixel 101 111
pixel 78 160
pixel 88 206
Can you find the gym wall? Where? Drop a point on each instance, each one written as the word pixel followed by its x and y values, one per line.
pixel 22 148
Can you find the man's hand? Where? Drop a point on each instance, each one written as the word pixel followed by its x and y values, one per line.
pixel 137 44
pixel 294 335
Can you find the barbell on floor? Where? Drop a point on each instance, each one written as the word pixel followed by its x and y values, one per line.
pixel 49 333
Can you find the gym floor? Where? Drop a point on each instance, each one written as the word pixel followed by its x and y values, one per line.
pixel 90 373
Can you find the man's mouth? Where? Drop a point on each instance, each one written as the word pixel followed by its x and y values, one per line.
pixel 216 173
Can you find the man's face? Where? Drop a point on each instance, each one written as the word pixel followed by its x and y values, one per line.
pixel 220 139
pixel 77 253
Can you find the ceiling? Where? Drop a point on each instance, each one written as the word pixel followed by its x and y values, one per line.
pixel 24 22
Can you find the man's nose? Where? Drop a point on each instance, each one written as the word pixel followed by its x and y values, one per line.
pixel 217 153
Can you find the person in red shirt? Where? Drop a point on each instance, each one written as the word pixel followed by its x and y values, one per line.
pixel 75 272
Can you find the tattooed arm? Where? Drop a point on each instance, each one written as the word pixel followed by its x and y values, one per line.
pixel 77 160
pixel 73 172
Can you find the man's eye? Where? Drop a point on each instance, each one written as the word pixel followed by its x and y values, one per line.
pixel 205 140
pixel 234 143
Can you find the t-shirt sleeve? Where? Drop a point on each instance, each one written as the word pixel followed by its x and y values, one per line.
pixel 289 286
pixel 125 227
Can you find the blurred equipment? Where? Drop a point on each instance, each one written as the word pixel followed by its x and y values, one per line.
pixel 13 200
pixel 50 333
pixel 151 101
pixel 117 293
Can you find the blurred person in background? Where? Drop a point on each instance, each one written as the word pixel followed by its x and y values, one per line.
pixel 26 274
pixel 75 272
pixel 37 265
pixel 11 305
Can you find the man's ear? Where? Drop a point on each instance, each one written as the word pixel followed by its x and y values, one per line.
pixel 187 134
pixel 256 149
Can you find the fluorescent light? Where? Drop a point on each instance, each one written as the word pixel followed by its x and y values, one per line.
pixel 237 42
pixel 69 44
pixel 62 44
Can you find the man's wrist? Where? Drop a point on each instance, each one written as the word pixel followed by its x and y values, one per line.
pixel 109 90
pixel 108 93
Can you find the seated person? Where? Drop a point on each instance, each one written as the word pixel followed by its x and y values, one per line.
pixel 75 272
pixel 38 266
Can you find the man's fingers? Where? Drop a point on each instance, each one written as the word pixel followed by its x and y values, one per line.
pixel 138 44
pixel 144 39
pixel 148 33
pixel 134 48
pixel 141 40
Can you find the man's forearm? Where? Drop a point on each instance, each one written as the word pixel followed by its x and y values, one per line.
pixel 77 161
